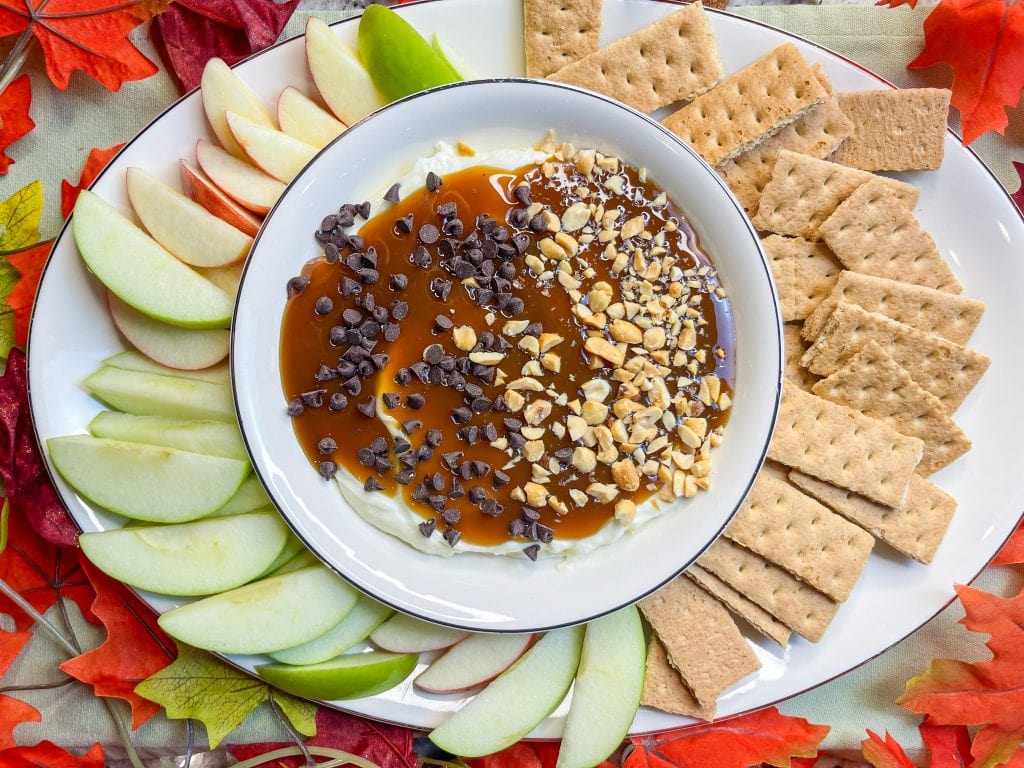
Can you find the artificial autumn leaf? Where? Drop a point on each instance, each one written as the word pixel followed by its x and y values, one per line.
pixel 1018 196
pixel 387 746
pixel 884 754
pixel 19 217
pixel 13 711
pixel 145 10
pixel 48 755
pixel 765 736
pixel 134 649
pixel 986 693
pixel 32 496
pixel 14 120
pixel 200 686
pixel 90 36
pixel 191 32
pixel 29 262
pixel 639 757
pixel 94 163
pixel 949 746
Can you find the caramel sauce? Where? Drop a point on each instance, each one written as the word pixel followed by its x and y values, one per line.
pixel 306 345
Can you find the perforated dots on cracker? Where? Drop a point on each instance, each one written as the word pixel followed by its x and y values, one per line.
pixel 756 616
pixel 804 273
pixel 559 33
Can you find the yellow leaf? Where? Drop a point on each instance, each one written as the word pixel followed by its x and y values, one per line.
pixel 19 217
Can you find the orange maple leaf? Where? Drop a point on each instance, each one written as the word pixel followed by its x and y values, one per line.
pixel 29 262
pixel 14 120
pixel 94 163
pixel 983 43
pixel 86 35
pixel 987 693
pixel 765 736
pixel 1013 549
pixel 46 754
pixel 884 754
pixel 135 647
pixel 13 711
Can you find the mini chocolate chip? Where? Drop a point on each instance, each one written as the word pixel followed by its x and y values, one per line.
pixel 379 445
pixel 454 228
pixel 421 257
pixel 323 305
pixel 437 481
pixel 392 331
pixel 323 373
pixel 399 444
pixel 464 269
pixel 295 407
pixel 516 441
pixel 354 261
pixel 405 476
pixel 457 489
pixel 337 402
pixel 399 282
pixel 346 369
pixel 522 194
pixel 480 404
pixel 420 492
pixel 314 398
pixel 365 368
pixel 433 354
pixel 297 284
pixel 530 514
pixel 366 457
pixel 403 376
pixel 445 210
pixel 327 446
pixel 356 243
pixel 379 360
pixel 481 468
pixel 499 479
pixel 331 253
pixel 443 323
pixel 436 500
pixel 516 528
pixel 427 527
pixel 451 459
pixel 424 453
pixel 434 437
pixel 461 415
pixel 372 484
pixel 452 536
pixel 337 335
pixel 327 469
pixel 345 216
pixel 451 516
pixel 542 533
pixel 441 288
pixel 429 234
pixel 405 224
pixel 415 401
pixel 512 424
pixel 329 222
pixel 348 286
pixel 391 399
pixel 363 209
pixel 384 466
pixel 421 370
pixel 537 223
pixel 392 195
pixel 490 507
pixel 534 329
pixel 564 455
pixel 368 408
pixel 466 470
pixel 352 316
pixel 532 551
pixel 517 218
pixel 353 386
pixel 411 425
pixel 368 276
pixel 433 182
pixel 515 307
pixel 477 494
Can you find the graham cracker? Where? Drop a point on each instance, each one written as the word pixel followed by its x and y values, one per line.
pixel 804 191
pixel 947 370
pixel 895 130
pixel 929 310
pixel 797 533
pixel 665 690
pixel 844 447
pixel 559 33
pixel 802 608
pixel 817 133
pixel 795 349
pixel 702 640
pixel 915 528
pixel 674 58
pixel 756 616
pixel 804 273
pixel 874 384
pixel 874 232
pixel 749 106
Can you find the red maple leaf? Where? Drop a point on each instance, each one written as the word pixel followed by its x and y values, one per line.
pixel 191 32
pixel 1018 196
pixel 884 754
pixel 983 43
pixel 22 471
pixel 86 35
pixel 990 693
pixel 29 262
pixel 765 736
pixel 134 649
pixel 94 163
pixel 532 754
pixel 48 755
pixel 949 745
pixel 13 711
pixel 14 120
pixel 1013 550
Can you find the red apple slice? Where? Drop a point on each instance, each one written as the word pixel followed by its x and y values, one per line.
pixel 276 153
pixel 205 192
pixel 306 120
pixel 222 91
pixel 182 348
pixel 475 661
pixel 246 185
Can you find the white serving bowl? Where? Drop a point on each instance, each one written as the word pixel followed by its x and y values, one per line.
pixel 479 591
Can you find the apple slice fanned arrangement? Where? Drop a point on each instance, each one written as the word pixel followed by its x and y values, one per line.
pixel 169 459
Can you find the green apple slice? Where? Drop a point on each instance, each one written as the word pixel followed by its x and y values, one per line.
pixel 222 90
pixel 301 558
pixel 249 496
pixel 174 347
pixel 183 226
pixel 274 152
pixel 399 60
pixel 305 120
pixel 365 617
pixel 404 634
pixel 214 438
pixel 353 676
pixel 473 662
pixel 517 701
pixel 454 60
pixel 131 360
pixel 145 482
pixel 198 558
pixel 140 272
pixel 340 78
pixel 606 696
pixel 151 394
pixel 264 616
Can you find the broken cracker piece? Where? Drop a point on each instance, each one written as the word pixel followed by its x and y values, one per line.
pixel 756 616
pixel 749 106
pixel 665 690
pixel 804 191
pixel 674 58
pixel 844 447
pixel 794 352
pixel 915 528
pixel 895 130
pixel 557 34
pixel 876 385
pixel 874 232
pixel 804 273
